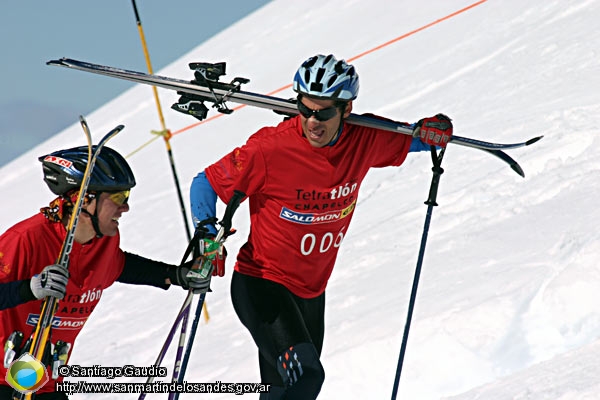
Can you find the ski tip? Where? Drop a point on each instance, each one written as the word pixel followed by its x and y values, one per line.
pixel 85 127
pixel 83 123
pixel 532 141
pixel 56 62
pixel 517 168
pixel 117 129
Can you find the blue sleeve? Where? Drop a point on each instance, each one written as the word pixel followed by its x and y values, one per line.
pixel 203 201
pixel 417 145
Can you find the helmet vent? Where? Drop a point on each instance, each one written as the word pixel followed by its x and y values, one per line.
pixel 106 170
pixel 320 74
pixel 331 81
pixel 317 85
pixel 307 75
pixel 80 165
pixel 310 62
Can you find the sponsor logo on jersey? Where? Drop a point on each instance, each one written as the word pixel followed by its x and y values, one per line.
pixel 343 190
pixel 313 218
pixel 58 322
pixel 4 267
pixel 336 193
pixel 335 199
pixel 91 295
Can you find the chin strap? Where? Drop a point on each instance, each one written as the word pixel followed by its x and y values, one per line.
pixel 340 128
pixel 94 217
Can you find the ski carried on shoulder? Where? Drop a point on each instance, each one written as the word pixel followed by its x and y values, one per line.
pixel 206 87
pixel 39 342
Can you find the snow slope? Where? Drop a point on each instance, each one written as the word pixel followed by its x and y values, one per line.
pixel 507 306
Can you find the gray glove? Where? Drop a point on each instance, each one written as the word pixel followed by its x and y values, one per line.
pixel 198 281
pixel 51 282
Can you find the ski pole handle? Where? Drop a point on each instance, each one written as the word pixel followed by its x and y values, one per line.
pixel 231 208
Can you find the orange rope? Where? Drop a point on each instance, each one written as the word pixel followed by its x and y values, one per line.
pixel 454 14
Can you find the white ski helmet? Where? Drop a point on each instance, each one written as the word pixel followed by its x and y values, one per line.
pixel 327 78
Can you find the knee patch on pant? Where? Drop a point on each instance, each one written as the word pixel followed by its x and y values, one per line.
pixel 300 363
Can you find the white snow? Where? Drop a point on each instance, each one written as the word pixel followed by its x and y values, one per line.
pixel 508 302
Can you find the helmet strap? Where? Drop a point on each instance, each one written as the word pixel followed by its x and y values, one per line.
pixel 342 108
pixel 94 217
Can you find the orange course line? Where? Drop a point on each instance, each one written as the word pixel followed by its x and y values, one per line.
pixel 429 25
pixel 417 30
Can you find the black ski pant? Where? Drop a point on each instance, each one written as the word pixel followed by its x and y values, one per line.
pixel 277 320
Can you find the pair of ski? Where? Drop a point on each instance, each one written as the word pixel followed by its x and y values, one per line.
pixel 201 265
pixel 206 87
pixel 39 343
pixel 40 340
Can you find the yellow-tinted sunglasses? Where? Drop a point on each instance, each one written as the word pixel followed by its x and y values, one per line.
pixel 119 198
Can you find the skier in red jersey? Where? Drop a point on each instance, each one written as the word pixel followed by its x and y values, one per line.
pixel 29 249
pixel 302 179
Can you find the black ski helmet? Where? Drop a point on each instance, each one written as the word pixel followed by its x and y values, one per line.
pixel 64 169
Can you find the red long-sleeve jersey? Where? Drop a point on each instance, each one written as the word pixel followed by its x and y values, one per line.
pixel 29 246
pixel 301 198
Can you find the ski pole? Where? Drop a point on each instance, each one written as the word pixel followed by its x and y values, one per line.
pixel 165 132
pixel 195 243
pixel 183 313
pixel 431 202
pixel 182 317
pixel 224 231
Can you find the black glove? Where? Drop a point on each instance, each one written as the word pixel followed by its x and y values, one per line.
pixel 51 282
pixel 196 280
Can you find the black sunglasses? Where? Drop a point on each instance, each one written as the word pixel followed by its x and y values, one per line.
pixel 321 115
